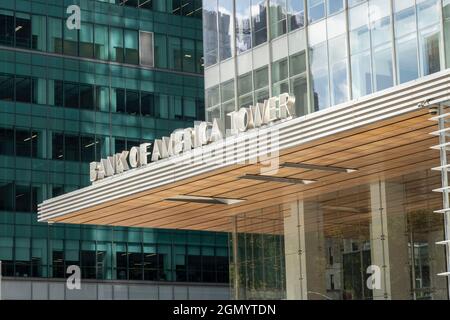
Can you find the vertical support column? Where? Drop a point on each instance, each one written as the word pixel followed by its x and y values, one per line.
pixel 236 281
pixel 389 241
pixel 315 252
pixel 304 252
pixel 294 247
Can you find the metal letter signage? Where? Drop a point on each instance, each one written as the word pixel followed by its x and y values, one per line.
pixel 203 133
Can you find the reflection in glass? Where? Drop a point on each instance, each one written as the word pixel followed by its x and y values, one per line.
pixel 243 26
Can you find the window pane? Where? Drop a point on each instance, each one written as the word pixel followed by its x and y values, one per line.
pixel 243 26
pixel 39 30
pixel 383 68
pixel 261 78
pixel 146 49
pixel 430 50
pixel 160 51
pixel 6 28
pixel 245 84
pixel 101 42
pixel 319 71
pixel 225 29
pixel 118 100
pixel 338 70
pixel 23 30
pixel 407 59
pixel 299 88
pixel 6 87
pixel 277 16
pixel 296 14
pixel 87 41
pixel 55 35
pixel 174 53
pixel 188 55
pixel 361 75
pixel 6 142
pixel 210 34
pixel 259 21
pixel 279 70
pixel 131 47
pixel 132 102
pixel 335 6
pixel 102 98
pixel 70 42
pixel 7 197
pixel 87 97
pixel 58 92
pixel 23 89
pixel 72 148
pixel 116 45
pixel 297 63
pixel 147 104
pixel 316 10
pixel 23 198
pixel 58 146
pixel 23 143
pixel 88 149
pixel 71 95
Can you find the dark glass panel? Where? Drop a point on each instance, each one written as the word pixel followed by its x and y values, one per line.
pixel 71 95
pixel 86 97
pixel 6 87
pixel 23 89
pixel 72 148
pixel 132 102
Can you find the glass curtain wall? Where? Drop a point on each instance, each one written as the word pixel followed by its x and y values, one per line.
pixel 342 238
pixel 356 47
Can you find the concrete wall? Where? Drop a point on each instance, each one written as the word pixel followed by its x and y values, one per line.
pixel 55 289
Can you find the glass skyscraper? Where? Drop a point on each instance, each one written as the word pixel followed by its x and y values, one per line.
pixel 133 72
pixel 325 52
pixel 336 57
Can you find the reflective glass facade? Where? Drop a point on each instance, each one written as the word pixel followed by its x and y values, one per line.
pixel 324 52
pixel 322 248
pixel 328 53
pixel 69 97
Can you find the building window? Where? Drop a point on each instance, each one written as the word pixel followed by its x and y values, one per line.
pixel 6 87
pixel 87 41
pixel 116 45
pixel 71 95
pixel 146 49
pixel 175 60
pixel 316 10
pixel 226 21
pixel 131 47
pixel 86 97
pixel 39 33
pixel 296 14
pixel 23 30
pixel 7 28
pixel 55 43
pixel 147 104
pixel 210 32
pixel 278 18
pixel 70 42
pixel 259 21
pixel 23 89
pixel 243 25
pixel 101 42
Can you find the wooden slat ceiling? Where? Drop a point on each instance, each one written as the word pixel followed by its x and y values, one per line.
pixel 386 150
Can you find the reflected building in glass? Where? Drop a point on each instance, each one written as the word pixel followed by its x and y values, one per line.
pixel 133 72
pixel 374 237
